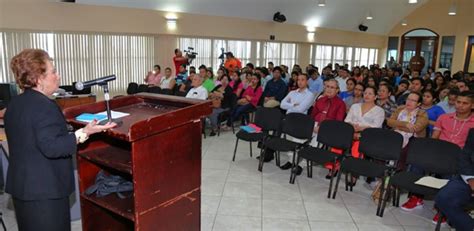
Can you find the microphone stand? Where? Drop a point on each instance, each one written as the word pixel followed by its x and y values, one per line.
pixel 105 87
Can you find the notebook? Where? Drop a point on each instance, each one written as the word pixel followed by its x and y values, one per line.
pixel 251 128
pixel 431 182
pixel 88 117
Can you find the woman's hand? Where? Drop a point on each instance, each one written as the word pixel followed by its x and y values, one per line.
pixel 93 127
pixel 411 127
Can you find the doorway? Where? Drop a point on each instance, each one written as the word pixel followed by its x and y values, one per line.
pixel 421 43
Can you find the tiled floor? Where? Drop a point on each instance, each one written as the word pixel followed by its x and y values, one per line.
pixel 235 196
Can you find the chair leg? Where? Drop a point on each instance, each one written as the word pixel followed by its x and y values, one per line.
pixel 381 196
pixel 332 179
pixel 250 149
pixel 233 129
pixel 351 185
pixel 293 170
pixel 309 166
pixel 347 185
pixel 218 129
pixel 260 160
pixel 397 201
pixel 394 196
pixel 337 184
pixel 440 219
pixel 277 159
pixel 385 199
pixel 235 149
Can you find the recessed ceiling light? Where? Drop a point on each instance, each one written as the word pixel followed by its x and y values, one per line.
pixel 412 1
pixel 452 9
pixel 369 16
pixel 404 22
pixel 322 3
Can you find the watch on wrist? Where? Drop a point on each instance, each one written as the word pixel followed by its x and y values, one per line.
pixel 81 136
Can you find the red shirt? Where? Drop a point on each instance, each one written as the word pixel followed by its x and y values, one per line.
pixel 452 129
pixel 178 63
pixel 328 108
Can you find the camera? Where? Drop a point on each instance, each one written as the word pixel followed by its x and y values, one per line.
pixel 190 54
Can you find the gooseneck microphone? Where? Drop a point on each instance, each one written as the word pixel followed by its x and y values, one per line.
pixel 100 81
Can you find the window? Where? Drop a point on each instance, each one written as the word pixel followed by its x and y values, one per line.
pixel 323 56
pixel 348 59
pixel 338 55
pixel 82 57
pixel 201 46
pixel 392 48
pixel 280 53
pixel 447 50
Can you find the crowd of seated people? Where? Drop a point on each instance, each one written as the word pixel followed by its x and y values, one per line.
pixel 433 104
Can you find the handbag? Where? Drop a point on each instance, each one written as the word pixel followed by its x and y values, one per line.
pixel 108 184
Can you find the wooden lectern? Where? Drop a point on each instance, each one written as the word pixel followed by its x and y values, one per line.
pixel 158 148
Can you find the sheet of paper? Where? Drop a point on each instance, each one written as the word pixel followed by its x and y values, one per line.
pixel 432 182
pixel 115 114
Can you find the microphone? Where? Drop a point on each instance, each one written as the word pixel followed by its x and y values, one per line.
pixel 81 85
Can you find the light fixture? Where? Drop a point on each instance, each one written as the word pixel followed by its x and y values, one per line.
pixel 311 32
pixel 369 16
pixel 452 9
pixel 412 1
pixel 322 3
pixel 404 22
pixel 171 21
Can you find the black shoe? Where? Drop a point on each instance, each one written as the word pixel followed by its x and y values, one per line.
pixel 212 133
pixel 328 176
pixel 266 159
pixel 298 170
pixel 286 166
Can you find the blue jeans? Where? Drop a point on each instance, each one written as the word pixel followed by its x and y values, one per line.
pixel 452 199
pixel 238 111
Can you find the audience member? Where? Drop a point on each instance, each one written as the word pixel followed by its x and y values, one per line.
pixel 197 91
pixel 453 198
pixel 350 84
pixel 315 82
pixel 186 86
pixel 207 83
pixel 416 85
pixel 221 97
pixel 275 90
pixel 448 106
pixel 384 100
pixel 182 75
pixel 433 111
pixel 154 77
pixel 293 83
pixel 236 84
pixel 232 64
pixel 249 100
pixel 342 77
pixel 167 82
pixel 357 97
pixel 179 60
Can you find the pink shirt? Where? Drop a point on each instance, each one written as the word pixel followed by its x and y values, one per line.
pixel 231 84
pixel 453 129
pixel 153 79
pixel 255 95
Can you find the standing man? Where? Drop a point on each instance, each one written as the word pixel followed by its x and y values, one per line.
pixel 179 60
pixel 232 64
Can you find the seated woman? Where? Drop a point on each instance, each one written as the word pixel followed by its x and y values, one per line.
pixel 350 84
pixel 249 100
pixel 236 83
pixel 293 83
pixel 221 97
pixel 401 89
pixel 385 100
pixel 409 120
pixel 433 110
pixel 358 96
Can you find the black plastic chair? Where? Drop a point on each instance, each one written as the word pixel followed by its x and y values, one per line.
pixel 383 147
pixel 225 115
pixel 297 125
pixel 332 134
pixel 269 119
pixel 432 155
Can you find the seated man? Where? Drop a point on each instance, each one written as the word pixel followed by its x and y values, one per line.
pixel 154 77
pixel 449 105
pixel 315 83
pixel 182 75
pixel 198 91
pixel 416 85
pixel 297 101
pixel 167 81
pixel 452 127
pixel 275 90
pixel 458 193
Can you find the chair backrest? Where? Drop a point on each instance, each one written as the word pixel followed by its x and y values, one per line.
pixel 336 134
pixel 434 155
pixel 269 119
pixel 381 144
pixel 132 88
pixel 142 88
pixel 298 125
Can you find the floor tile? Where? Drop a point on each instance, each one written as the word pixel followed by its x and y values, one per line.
pixel 332 225
pixel 284 209
pixel 224 222
pixel 243 190
pixel 277 224
pixel 327 212
pixel 240 206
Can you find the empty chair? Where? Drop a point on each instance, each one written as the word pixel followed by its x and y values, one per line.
pixel 132 88
pixel 269 119
pixel 297 125
pixel 432 155
pixel 332 134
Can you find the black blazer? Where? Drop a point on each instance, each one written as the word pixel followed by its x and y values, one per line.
pixel 41 148
pixel 466 163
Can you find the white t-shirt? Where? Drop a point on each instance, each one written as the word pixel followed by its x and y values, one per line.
pixel 373 118
pixel 197 93
pixel 342 84
pixel 165 82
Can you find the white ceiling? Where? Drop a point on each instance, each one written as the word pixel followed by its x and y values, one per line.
pixel 337 14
